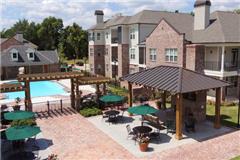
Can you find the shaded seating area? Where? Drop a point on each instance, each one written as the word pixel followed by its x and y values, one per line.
pixel 177 81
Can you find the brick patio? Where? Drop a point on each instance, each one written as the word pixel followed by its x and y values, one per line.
pixel 74 137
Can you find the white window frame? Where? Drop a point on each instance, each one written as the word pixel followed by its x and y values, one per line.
pixel 98 36
pixel 16 58
pixel 153 54
pixel 132 33
pixel 91 67
pixel 132 54
pixel 107 35
pixel 31 57
pixel 91 51
pixel 106 51
pixel 171 55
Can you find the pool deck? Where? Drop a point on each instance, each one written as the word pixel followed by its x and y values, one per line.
pixel 75 137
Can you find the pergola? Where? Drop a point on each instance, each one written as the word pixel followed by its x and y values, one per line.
pixel 176 81
pixel 77 78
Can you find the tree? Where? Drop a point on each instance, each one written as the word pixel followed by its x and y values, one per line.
pixel 74 40
pixel 237 11
pixel 49 33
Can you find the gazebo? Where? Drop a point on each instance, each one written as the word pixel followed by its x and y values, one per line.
pixel 177 81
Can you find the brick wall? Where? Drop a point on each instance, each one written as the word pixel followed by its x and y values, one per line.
pixel 165 36
pixel 123 59
pixel 195 57
pixel 97 59
pixel 6 44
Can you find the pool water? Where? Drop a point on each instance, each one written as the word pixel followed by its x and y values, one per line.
pixel 39 89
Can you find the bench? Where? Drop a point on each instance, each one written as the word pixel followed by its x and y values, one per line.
pixel 153 121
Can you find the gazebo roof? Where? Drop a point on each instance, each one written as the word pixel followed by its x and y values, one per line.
pixel 174 79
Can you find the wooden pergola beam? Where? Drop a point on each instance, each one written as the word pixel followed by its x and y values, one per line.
pixel 217 123
pixel 178 135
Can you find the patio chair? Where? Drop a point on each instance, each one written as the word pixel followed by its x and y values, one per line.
pixel 131 133
pixel 155 135
pixel 104 116
pixel 171 127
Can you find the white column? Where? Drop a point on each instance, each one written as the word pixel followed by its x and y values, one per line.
pixel 222 59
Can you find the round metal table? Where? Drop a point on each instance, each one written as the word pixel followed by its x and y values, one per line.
pixel 142 129
pixel 111 113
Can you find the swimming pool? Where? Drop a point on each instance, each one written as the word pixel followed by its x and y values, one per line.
pixel 39 89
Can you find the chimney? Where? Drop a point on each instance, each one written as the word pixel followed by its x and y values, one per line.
pixel 99 16
pixel 202 14
pixel 19 36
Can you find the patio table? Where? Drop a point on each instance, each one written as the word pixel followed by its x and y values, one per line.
pixel 112 114
pixel 142 129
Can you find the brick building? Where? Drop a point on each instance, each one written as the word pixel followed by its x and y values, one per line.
pixel 206 42
pixel 17 53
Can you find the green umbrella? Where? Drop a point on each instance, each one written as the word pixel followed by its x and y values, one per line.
pixel 111 98
pixel 21 132
pixel 18 115
pixel 142 110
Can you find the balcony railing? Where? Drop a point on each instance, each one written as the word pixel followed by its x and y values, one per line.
pixel 228 66
pixel 213 65
pixel 114 40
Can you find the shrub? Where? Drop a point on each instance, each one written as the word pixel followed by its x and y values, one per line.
pixel 30 122
pixel 88 112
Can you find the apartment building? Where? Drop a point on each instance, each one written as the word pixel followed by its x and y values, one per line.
pixel 206 42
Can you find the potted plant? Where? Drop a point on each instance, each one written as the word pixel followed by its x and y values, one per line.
pixel 16 107
pixel 52 157
pixel 143 143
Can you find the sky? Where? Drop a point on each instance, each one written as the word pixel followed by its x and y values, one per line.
pixel 82 11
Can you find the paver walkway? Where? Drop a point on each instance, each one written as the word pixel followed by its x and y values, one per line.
pixel 74 137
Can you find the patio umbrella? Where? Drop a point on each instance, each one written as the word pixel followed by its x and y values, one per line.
pixel 18 115
pixel 111 98
pixel 142 110
pixel 21 132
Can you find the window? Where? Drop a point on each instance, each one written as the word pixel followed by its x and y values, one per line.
pixel 132 53
pixel 171 55
pixel 91 51
pixel 91 36
pixel 91 67
pixel 98 36
pixel 107 69
pixel 106 35
pixel 99 52
pixel 31 56
pixel 15 56
pixel 153 54
pixel 106 51
pixel 132 33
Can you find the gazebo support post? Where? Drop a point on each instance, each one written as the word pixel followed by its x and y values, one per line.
pixel 104 89
pixel 130 94
pixel 97 90
pixel 72 94
pixel 164 99
pixel 28 103
pixel 178 135
pixel 77 95
pixel 217 108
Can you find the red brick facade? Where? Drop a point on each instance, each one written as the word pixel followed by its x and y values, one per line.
pixel 195 57
pixel 96 59
pixel 165 36
pixel 8 43
pixel 123 59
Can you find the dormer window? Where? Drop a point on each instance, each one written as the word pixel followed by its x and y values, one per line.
pixel 14 54
pixel 31 56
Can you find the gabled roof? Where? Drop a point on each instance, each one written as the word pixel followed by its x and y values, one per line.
pixel 224 27
pixel 41 57
pixel 174 79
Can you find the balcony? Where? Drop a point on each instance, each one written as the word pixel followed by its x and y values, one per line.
pixel 114 40
pixel 228 66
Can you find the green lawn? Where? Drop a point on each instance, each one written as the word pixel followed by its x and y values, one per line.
pixel 72 61
pixel 228 114
pixel 236 158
